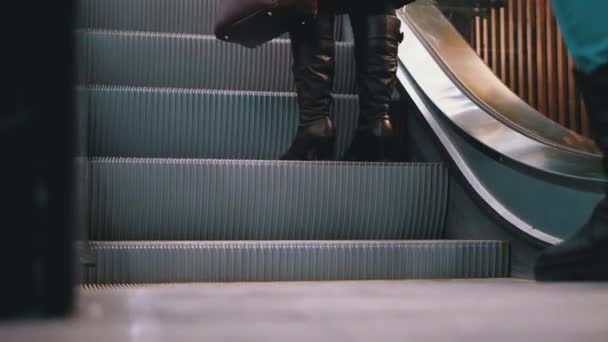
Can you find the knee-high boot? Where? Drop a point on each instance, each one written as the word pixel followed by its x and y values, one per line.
pixel 377 39
pixel 313 69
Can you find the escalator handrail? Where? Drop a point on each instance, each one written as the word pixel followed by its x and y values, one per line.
pixel 525 146
pixel 476 184
pixel 459 59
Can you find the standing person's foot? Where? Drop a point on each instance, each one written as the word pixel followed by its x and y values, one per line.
pixel 584 256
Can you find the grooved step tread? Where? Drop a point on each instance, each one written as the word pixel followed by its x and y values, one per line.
pixel 167 199
pixel 195 61
pixel 223 261
pixel 189 123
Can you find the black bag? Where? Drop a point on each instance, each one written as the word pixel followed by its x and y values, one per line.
pixel 253 22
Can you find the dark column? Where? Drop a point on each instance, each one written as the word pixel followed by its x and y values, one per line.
pixel 36 267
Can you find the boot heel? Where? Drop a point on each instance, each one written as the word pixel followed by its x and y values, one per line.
pixel 385 148
pixel 325 149
pixel 311 149
pixel 377 149
pixel 371 148
pixel 321 150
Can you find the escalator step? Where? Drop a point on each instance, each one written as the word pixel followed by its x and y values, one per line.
pixel 223 261
pixel 171 199
pixel 155 122
pixel 195 61
pixel 171 16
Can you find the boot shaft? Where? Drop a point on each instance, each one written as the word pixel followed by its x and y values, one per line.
pixel 313 49
pixel 377 39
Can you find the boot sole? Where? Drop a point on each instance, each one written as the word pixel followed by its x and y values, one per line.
pixel 320 150
pixel 591 266
pixel 372 149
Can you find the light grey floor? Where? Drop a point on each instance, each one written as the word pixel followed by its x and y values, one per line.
pixel 457 310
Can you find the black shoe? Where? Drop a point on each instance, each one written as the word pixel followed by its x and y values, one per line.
pixel 584 256
pixel 373 144
pixel 377 39
pixel 313 70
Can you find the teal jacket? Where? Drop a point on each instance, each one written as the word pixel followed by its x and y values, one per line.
pixel 584 25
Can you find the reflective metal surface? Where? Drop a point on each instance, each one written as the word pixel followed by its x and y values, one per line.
pixel 478 81
pixel 471 177
pixel 520 42
pixel 472 98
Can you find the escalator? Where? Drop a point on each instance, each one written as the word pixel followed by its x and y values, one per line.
pixel 180 182
pixel 536 179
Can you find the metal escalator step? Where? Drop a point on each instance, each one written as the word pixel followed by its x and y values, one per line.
pixel 165 199
pixel 183 123
pixel 225 261
pixel 195 61
pixel 171 16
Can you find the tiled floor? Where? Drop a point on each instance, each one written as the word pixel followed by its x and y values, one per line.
pixel 457 310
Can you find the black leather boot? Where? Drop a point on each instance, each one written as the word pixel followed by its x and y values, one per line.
pixel 377 39
pixel 313 69
pixel 584 256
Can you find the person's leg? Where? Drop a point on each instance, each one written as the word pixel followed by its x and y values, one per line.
pixel 584 256
pixel 313 69
pixel 377 36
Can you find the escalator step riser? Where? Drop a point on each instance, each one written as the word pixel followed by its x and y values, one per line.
pixel 153 122
pixel 201 62
pixel 174 16
pixel 161 199
pixel 170 262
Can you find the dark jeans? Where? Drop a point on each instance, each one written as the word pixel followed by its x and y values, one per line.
pixel 594 87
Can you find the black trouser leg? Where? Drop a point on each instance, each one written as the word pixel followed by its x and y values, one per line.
pixel 584 256
pixel 594 88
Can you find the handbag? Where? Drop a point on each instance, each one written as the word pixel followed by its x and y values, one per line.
pixel 253 22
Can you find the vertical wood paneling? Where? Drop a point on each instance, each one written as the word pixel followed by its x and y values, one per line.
pixel 503 50
pixel 572 100
pixel 511 27
pixel 562 82
pixel 524 47
pixel 541 59
pixel 521 49
pixel 473 35
pixel 550 27
pixel 478 32
pixel 485 41
pixel 495 50
pixel 531 51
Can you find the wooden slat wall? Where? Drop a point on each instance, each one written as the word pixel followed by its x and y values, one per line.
pixel 522 44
